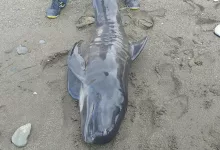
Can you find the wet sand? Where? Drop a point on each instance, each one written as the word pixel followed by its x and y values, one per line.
pixel 174 85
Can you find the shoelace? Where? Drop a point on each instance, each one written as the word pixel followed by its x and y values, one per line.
pixel 57 3
pixel 62 4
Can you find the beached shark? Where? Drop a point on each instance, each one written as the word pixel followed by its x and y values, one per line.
pixel 99 78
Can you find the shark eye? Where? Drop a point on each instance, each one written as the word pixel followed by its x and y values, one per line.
pixel 106 73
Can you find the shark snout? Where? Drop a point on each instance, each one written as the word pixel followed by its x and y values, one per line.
pixel 102 112
pixel 102 126
pixel 100 137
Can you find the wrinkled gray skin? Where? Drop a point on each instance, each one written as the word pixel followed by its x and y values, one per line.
pixel 99 79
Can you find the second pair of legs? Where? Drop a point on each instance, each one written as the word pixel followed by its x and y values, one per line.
pixel 57 5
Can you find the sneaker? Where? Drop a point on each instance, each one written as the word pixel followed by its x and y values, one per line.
pixel 54 10
pixel 133 4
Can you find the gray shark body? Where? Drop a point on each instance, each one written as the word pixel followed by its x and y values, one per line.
pixel 99 79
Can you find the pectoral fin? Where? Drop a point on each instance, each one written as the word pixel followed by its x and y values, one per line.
pixel 137 47
pixel 74 85
pixel 76 71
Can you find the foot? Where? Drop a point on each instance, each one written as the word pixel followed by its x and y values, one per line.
pixel 54 10
pixel 133 4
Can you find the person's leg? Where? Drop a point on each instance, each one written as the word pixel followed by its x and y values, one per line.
pixel 54 10
pixel 132 4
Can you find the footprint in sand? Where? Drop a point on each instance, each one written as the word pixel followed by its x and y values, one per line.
pixel 71 132
pixel 217 6
pixel 177 107
pixel 206 60
pixel 54 71
pixel 169 84
pixel 158 142
pixel 139 88
pixel 146 110
pixel 170 104
pixel 211 134
pixel 195 9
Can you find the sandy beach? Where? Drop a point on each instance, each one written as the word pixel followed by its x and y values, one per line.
pixel 174 85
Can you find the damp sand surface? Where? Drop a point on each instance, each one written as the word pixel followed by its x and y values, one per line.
pixel 174 85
